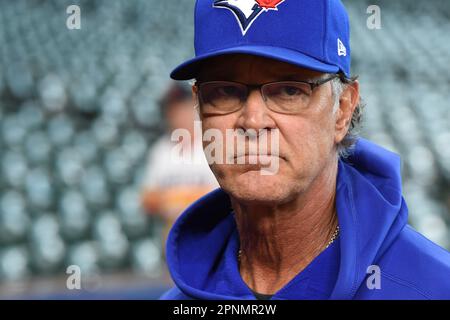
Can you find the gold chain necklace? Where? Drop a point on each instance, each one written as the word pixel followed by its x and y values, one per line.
pixel 333 237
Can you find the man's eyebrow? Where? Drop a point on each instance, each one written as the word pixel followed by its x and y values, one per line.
pixel 297 77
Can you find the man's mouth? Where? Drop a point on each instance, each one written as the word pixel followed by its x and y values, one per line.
pixel 253 158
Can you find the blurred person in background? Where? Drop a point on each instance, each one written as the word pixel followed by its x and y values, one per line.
pixel 176 179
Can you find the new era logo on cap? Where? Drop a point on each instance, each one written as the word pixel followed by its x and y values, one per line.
pixel 342 50
pixel 246 11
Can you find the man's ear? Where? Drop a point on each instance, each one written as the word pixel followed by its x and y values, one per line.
pixel 348 101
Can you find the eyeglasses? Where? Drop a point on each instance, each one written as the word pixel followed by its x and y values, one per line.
pixel 290 97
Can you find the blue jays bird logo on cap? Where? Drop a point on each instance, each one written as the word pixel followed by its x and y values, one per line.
pixel 246 11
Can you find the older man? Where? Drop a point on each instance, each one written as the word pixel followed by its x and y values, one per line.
pixel 330 222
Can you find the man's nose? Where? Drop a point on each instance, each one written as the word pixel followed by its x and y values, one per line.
pixel 255 114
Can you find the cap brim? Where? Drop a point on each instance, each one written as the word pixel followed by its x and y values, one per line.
pixel 189 69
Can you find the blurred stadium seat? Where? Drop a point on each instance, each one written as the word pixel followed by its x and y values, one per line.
pixel 78 113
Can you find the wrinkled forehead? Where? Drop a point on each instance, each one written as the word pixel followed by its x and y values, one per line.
pixel 247 68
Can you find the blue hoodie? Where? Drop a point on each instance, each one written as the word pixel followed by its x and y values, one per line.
pixel 372 214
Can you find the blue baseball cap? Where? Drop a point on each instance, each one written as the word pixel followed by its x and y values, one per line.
pixel 312 34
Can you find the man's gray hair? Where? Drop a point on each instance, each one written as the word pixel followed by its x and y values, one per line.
pixel 345 146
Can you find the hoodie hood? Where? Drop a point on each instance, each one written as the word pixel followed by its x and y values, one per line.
pixel 203 243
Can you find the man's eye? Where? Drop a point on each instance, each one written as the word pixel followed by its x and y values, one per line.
pixel 291 91
pixel 228 91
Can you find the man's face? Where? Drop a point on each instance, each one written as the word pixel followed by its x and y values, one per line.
pixel 306 139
